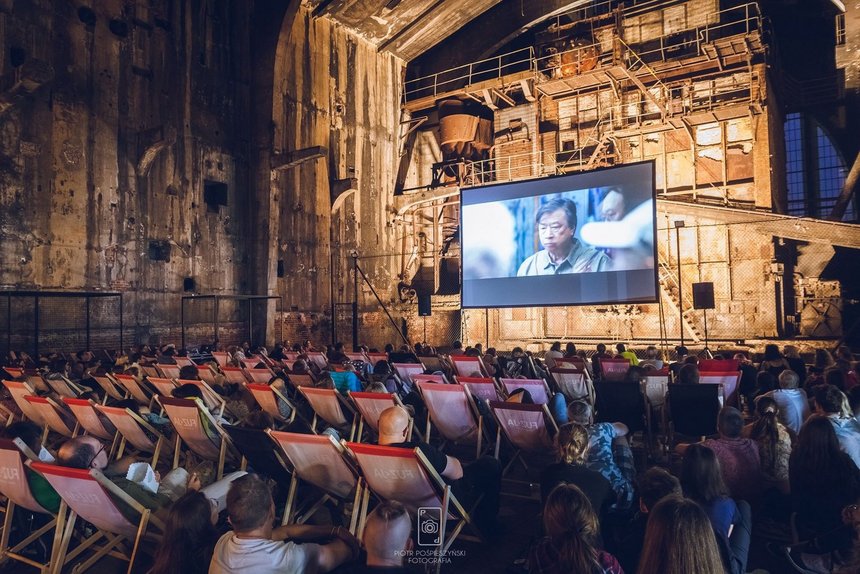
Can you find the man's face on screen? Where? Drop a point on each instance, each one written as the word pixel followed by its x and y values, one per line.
pixel 555 234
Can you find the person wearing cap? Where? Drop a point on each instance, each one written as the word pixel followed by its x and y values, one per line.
pixel 562 252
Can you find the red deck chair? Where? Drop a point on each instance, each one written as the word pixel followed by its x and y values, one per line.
pixel 574 384
pixel 374 358
pixel 49 411
pixel 570 363
pixel 90 496
pixel 251 363
pixel 656 385
pixel 480 387
pixel 14 372
pixel 37 381
pixel 729 380
pixel 150 371
pixel 318 460
pixel 319 359
pixel 262 376
pixel 130 427
pixel 188 420
pixel 536 387
pixel 406 475
pixel 330 406
pixel 370 406
pixel 527 427
pixel 718 365
pixel 441 379
pixel 168 371
pixel 18 390
pixel 300 380
pixel 221 358
pixel 62 386
pixel 267 397
pixel 356 357
pixel 406 372
pixel 15 487
pixel 184 362
pixel 163 387
pixel 111 389
pixel 214 401
pixel 84 411
pixel 465 366
pixel 453 413
pixel 614 369
pixel 140 394
pixel 235 375
pixel 291 357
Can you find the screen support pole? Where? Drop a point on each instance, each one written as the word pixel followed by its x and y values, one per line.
pixel 381 304
pixel 678 225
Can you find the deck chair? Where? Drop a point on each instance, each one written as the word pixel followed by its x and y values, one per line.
pixel 184 362
pixel 206 373
pixel 14 372
pixel 718 365
pixel 49 411
pixel 370 406
pixel 235 375
pixel 729 380
pixel 454 414
pixel 614 369
pixel 257 451
pixel 139 393
pixel 374 358
pixel 527 428
pixel 318 460
pixel 131 427
pixel 63 386
pixel 480 387
pixel 267 397
pixel 300 380
pixel 693 410
pixel 251 362
pixel 432 364
pixel 150 371
pixel 111 388
pixel 162 386
pixel 18 390
pixel 168 371
pixel 406 475
pixel 440 379
pixel 214 401
pixel 319 359
pixel 574 384
pixel 571 363
pixel 356 357
pixel 188 419
pixel 90 496
pixel 624 401
pixel 465 366
pixel 406 372
pixel 291 356
pixel 261 376
pixel 15 486
pixel 221 358
pixel 37 381
pixel 656 386
pixel 330 406
pixel 84 411
pixel 537 388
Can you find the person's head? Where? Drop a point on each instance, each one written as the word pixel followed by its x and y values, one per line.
pixel 382 368
pixel 571 524
pixel 679 539
pixel 817 448
pixel 27 431
pixel 389 348
pixel 828 399
pixel 376 387
pixel 700 474
pixel 580 412
pixel 620 347
pixel 788 379
pixel 635 374
pixel 740 358
pixel 681 352
pixel 691 360
pixel 730 422
pixel 83 452
pixel 259 420
pixel 393 425
pixel 656 484
pixel 689 375
pixel 250 505
pixel 189 372
pixel 835 377
pixel 189 534
pixel 791 352
pixel 570 349
pixel 556 223
pixel 520 396
pixel 387 534
pixel 457 345
pixel 651 352
pixel 844 353
pixel 601 348
pixel 771 352
pixel 187 391
pixel 823 359
pixel 556 346
pixel 572 443
pixel 612 206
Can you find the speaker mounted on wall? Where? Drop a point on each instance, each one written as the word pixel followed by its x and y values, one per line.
pixel 703 295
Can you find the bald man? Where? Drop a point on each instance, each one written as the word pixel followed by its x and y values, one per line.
pixel 481 478
pixel 387 537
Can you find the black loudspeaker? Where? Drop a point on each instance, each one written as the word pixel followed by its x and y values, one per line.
pixel 423 305
pixel 703 295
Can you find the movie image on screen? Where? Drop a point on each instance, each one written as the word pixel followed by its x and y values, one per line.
pixel 581 239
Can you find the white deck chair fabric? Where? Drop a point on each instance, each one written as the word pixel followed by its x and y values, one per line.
pixel 524 425
pixel 536 388
pixel 450 411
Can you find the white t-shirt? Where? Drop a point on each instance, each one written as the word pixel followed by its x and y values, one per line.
pixel 848 432
pixel 793 407
pixel 234 555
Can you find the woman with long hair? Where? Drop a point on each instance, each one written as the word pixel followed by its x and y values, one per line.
pixel 773 362
pixel 571 447
pixel 679 540
pixel 189 537
pixel 774 443
pixel 572 530
pixel 823 481
pixel 702 482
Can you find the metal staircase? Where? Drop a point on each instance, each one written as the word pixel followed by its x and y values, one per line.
pixel 669 289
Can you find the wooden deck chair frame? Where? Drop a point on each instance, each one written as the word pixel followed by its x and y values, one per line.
pixel 117 416
pixel 363 417
pixel 17 493
pixel 501 427
pixel 445 499
pixel 282 439
pixel 202 414
pixel 427 387
pixel 114 541
pixel 562 375
pixel 510 385
pixel 18 390
pixel 135 390
pixel 309 392
pixel 267 406
pixel 50 413
pixel 111 388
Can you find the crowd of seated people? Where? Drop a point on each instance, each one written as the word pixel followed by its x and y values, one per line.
pixel 786 449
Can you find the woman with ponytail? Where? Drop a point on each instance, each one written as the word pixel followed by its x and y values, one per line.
pixel 571 443
pixel 572 530
pixel 774 443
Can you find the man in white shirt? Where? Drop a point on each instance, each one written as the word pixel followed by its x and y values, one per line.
pixel 793 402
pixel 254 547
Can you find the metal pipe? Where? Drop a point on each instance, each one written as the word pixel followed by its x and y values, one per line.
pixel 375 294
